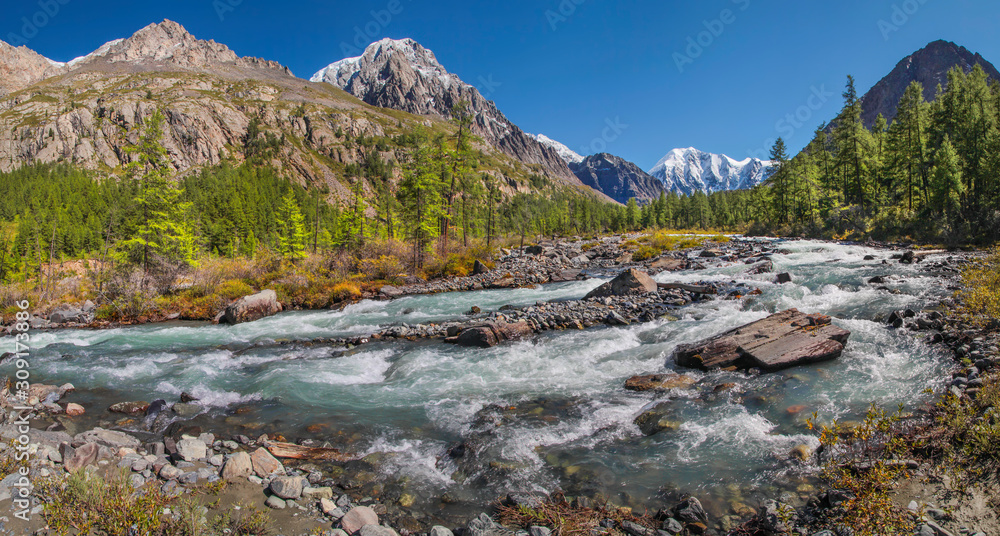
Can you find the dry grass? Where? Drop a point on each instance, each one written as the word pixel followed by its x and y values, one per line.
pixel 566 520
pixel 980 295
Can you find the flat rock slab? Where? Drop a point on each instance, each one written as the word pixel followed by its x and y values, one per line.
pixel 783 340
pixel 491 334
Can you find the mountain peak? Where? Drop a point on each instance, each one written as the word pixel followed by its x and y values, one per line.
pixel 929 66
pixel 568 155
pixel 689 170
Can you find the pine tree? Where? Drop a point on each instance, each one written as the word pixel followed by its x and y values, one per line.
pixel 947 186
pixel 162 229
pixel 292 233
pixel 779 180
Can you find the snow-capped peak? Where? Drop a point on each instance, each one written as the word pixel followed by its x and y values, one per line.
pixel 567 154
pixel 689 170
pixel 342 72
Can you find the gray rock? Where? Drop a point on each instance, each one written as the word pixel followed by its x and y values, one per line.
pixel 672 526
pixel 186 410
pixel 376 530
pixel 254 307
pixel 288 487
pixel 169 472
pixel 540 531
pixel 485 526
pixel 237 466
pixel 190 450
pixel 629 282
pixel 690 511
pixel 438 530
pixel 275 502
pixel 108 438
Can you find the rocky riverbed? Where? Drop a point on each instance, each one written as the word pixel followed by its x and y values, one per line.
pixel 418 481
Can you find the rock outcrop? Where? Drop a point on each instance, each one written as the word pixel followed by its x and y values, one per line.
pixel 780 341
pixel 630 282
pixel 254 307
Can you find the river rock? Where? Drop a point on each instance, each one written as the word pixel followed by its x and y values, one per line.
pixel 659 382
pixel 690 510
pixel 74 410
pixel 358 517
pixel 491 334
pixel 628 283
pixel 765 266
pixel 108 438
pixel 288 487
pixel 780 341
pixel 253 307
pixel 784 278
pixel 264 464
pixel 479 268
pixel 82 457
pixel 657 419
pixel 237 466
pixel 129 408
pixel 485 526
pixel 65 314
pixel 667 264
pixel 376 530
pixel 190 450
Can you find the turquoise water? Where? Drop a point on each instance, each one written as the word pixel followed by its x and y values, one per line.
pixel 573 426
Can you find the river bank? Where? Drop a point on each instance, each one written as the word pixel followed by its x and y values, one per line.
pixel 490 421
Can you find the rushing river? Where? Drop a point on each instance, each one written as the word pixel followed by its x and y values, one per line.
pixel 562 417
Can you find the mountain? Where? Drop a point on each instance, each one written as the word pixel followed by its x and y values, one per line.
pixel 686 171
pixel 929 66
pixel 403 75
pixel 87 112
pixel 617 178
pixel 568 155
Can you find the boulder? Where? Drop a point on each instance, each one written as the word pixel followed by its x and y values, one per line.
pixel 74 410
pixel 264 464
pixel 288 487
pixel 190 450
pixel 390 291
pixel 534 250
pixel 237 466
pixel 376 530
pixel 659 382
pixel 66 314
pixel 82 457
pixel 657 419
pixel 253 307
pixel 491 334
pixel 479 268
pixel 628 283
pixel 907 257
pixel 358 517
pixel 784 278
pixel 780 341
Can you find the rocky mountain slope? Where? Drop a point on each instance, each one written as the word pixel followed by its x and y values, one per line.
pixel 403 75
pixel 87 111
pixel 929 66
pixel 686 171
pixel 617 178
pixel 568 155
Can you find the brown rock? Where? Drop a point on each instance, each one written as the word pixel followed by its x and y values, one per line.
pixel 630 282
pixel 358 517
pixel 666 264
pixel 491 334
pixel 264 464
pixel 129 408
pixel 780 341
pixel 659 382
pixel 82 457
pixel 74 410
pixel 795 410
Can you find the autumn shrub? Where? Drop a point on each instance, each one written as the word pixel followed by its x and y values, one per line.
pixel 233 289
pixel 347 290
pixel 88 503
pixel 383 268
pixel 645 253
pixel 980 295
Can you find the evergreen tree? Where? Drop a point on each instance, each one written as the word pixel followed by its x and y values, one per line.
pixel 291 234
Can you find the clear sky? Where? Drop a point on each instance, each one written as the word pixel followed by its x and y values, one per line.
pixel 633 78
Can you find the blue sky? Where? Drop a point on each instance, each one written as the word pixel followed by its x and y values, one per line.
pixel 633 78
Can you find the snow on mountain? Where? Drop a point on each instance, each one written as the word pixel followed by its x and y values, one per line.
pixel 403 75
pixel 686 171
pixel 565 153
